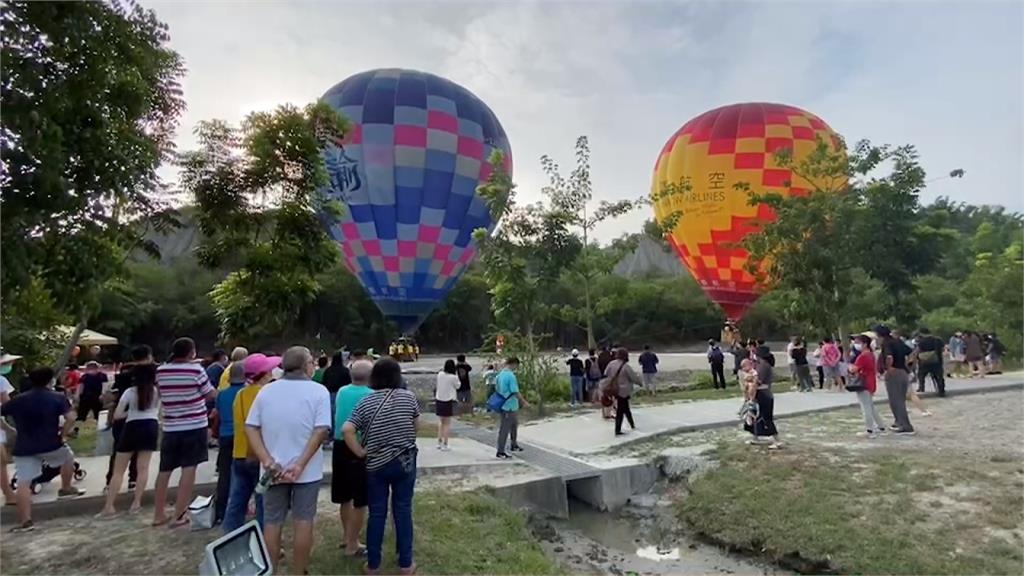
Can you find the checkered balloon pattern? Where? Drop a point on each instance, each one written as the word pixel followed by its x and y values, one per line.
pixel 407 174
pixel 712 153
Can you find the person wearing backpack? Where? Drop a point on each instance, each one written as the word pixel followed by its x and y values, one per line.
pixel 892 365
pixel 716 358
pixel 593 372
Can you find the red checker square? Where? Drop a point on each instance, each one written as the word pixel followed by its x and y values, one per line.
pixel 750 131
pixel 722 146
pixel 702 130
pixel 748 160
pixel 795 191
pixel 442 121
pixel 390 263
pixel 406 135
pixel 471 147
pixel 485 171
pixel 350 265
pixel 429 234
pixel 354 136
pixel 371 247
pixel 776 118
pixel 775 178
pixel 816 123
pixel 467 255
pixel 346 247
pixel 803 133
pixel 447 268
pixel 771 145
pixel 350 231
pixel 407 248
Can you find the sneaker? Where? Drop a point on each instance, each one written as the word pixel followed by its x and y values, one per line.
pixel 867 434
pixel 517 448
pixel 28 526
pixel 502 456
pixel 70 493
pixel 444 448
pixel 902 432
pixel 926 414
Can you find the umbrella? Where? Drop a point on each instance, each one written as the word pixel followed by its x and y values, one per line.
pixel 89 337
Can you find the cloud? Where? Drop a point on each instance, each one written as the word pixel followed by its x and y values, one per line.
pixel 945 77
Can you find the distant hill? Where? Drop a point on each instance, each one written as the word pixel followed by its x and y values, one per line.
pixel 649 259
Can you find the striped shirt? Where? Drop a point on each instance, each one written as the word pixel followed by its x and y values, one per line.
pixel 392 432
pixel 183 388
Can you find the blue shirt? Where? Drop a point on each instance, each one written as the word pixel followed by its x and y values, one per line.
pixel 225 405
pixel 508 386
pixel 649 362
pixel 346 400
pixel 36 415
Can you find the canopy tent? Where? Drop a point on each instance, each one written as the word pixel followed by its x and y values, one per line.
pixel 89 337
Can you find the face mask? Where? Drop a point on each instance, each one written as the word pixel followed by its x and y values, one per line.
pixel 858 346
pixel 6 369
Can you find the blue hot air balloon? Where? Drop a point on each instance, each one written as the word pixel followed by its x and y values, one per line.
pixel 407 175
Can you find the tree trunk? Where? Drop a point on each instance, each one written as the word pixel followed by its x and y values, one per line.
pixel 591 344
pixel 62 361
pixel 531 350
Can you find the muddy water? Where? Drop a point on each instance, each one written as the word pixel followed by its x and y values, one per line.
pixel 639 539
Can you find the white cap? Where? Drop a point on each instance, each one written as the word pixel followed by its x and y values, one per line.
pixel 575 352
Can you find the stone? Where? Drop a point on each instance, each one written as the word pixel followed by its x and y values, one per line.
pixel 685 463
pixel 644 500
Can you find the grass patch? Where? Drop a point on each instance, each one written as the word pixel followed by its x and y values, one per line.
pixel 85 443
pixel 455 533
pixel 832 511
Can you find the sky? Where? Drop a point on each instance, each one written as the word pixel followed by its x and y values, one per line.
pixel 947 77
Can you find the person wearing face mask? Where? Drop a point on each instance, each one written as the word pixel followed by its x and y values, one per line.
pixel 863 382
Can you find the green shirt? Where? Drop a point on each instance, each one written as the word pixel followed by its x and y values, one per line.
pixel 508 386
pixel 318 376
pixel 347 399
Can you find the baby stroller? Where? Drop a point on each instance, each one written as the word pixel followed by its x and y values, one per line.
pixel 48 473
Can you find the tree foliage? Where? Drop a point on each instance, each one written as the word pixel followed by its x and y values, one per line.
pixel 259 193
pixel 90 102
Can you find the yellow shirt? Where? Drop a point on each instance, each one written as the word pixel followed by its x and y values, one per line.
pixel 225 378
pixel 243 402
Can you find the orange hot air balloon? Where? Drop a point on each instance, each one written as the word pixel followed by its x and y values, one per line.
pixel 711 153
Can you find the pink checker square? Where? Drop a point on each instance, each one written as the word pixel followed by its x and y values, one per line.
pixel 350 231
pixel 441 252
pixel 442 121
pixel 407 248
pixel 447 268
pixel 467 255
pixel 406 135
pixel 429 234
pixel 471 147
pixel 390 263
pixel 347 249
pixel 372 247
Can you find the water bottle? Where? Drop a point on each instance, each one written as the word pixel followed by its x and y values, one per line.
pixel 265 480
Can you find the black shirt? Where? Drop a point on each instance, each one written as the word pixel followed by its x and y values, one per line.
pixel 91 384
pixel 575 366
pixel 799 356
pixel 463 370
pixel 36 415
pixel 930 344
pixel 335 376
pixel 895 348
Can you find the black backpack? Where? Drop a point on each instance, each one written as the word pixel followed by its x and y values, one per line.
pixel 717 357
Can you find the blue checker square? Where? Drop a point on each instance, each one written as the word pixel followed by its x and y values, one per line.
pixel 448 236
pixel 422 267
pixel 409 164
pixel 408 211
pixel 378 135
pixel 361 213
pixel 437 86
pixel 408 232
pixel 410 115
pixel 436 185
pixel 367 230
pixel 441 161
pixel 411 91
pixel 441 104
pixel 463 186
pixel 431 216
pixel 457 206
pixel 384 219
pixel 466 167
pixel 441 140
pixel 389 247
pixel 471 128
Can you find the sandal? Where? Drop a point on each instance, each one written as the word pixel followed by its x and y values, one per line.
pixel 105 516
pixel 180 521
pixel 360 552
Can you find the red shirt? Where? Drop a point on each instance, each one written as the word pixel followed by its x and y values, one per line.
pixel 865 364
pixel 71 380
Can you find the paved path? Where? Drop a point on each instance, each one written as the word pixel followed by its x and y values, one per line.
pixel 668 362
pixel 588 433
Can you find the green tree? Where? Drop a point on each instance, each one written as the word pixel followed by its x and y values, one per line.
pixel 91 100
pixel 571 198
pixel 259 191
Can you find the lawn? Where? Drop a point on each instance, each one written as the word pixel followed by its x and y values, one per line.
pixel 827 504
pixel 456 533
pixel 85 443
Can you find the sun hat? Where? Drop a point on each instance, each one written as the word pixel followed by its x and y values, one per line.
pixel 260 363
pixel 6 358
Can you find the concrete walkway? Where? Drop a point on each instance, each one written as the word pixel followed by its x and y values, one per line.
pixel 589 433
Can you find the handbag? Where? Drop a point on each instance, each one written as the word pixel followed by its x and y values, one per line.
pixel 496 402
pixel 610 385
pixel 201 513
pixel 854 383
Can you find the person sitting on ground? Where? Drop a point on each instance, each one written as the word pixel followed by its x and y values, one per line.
pixel 348 478
pixel 184 390
pixel 382 431
pixel 40 440
pixel 138 409
pixel 286 429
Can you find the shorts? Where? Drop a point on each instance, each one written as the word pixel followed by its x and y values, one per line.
pixel 444 407
pixel 831 371
pixel 184 449
pixel 348 476
pixel 29 467
pixel 139 436
pixel 464 396
pixel 299 498
pixel 649 379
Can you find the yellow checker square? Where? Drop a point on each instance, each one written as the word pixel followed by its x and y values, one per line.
pixel 709 261
pixel 724 274
pixel 746 277
pixel 736 263
pixel 778 131
pixel 750 145
pixel 799 120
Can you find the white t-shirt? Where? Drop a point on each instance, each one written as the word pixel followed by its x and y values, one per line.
pixel 287 411
pixel 129 404
pixel 789 356
pixel 447 386
pixel 5 386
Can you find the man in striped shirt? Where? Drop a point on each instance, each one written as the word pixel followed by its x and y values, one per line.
pixel 184 389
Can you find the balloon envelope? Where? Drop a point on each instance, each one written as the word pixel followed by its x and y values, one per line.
pixel 713 152
pixel 407 175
